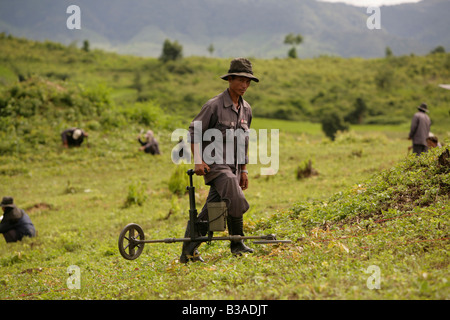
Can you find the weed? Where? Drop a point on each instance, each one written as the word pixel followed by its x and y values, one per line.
pixel 137 194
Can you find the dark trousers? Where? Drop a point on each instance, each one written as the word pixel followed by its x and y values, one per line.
pixel 11 236
pixel 419 148
pixel 14 235
pixel 226 188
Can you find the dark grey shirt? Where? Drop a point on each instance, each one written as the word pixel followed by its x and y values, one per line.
pixel 420 128
pixel 234 124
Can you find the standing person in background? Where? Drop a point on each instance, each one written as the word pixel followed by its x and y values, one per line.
pixel 420 129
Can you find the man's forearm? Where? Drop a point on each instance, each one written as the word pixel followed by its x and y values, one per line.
pixel 195 149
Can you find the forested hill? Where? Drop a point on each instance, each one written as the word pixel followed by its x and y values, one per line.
pixel 239 28
pixel 367 91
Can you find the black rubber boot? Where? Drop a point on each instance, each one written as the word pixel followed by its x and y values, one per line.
pixel 236 228
pixel 189 251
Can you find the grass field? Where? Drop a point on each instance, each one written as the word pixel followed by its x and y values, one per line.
pixel 76 198
pixel 371 223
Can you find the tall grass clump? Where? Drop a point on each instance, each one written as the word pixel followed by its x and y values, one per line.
pixel 179 180
pixel 137 194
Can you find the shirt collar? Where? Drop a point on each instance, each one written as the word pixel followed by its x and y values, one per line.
pixel 227 102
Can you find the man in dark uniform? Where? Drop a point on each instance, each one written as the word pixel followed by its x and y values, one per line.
pixel 420 130
pixel 15 223
pixel 73 137
pixel 224 165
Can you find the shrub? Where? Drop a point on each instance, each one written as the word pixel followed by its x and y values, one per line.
pixel 145 113
pixel 137 194
pixel 179 180
pixel 332 122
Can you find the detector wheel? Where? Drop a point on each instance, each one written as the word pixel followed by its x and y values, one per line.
pixel 130 246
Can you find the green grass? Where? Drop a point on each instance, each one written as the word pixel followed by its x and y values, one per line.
pixel 76 200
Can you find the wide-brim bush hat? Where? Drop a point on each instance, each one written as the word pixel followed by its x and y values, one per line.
pixel 76 134
pixel 423 107
pixel 240 67
pixel 7 202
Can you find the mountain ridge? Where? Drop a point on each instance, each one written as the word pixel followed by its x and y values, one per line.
pixel 244 27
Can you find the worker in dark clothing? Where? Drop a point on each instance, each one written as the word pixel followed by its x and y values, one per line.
pixel 73 137
pixel 15 223
pixel 433 141
pixel 149 145
pixel 420 130
pixel 224 169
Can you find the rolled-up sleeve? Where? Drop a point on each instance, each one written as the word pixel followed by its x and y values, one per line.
pixel 200 124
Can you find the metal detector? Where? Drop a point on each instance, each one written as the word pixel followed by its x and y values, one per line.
pixel 132 238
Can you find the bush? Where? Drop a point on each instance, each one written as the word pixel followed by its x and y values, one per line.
pixel 385 78
pixel 146 113
pixel 53 100
pixel 137 194
pixel 179 180
pixel 356 116
pixel 332 122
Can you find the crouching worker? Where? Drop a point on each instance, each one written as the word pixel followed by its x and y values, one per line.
pixel 150 144
pixel 73 137
pixel 15 223
pixel 227 114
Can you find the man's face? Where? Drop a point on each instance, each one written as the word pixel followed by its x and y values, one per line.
pixel 239 84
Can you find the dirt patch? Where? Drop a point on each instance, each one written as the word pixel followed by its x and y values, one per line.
pixel 39 207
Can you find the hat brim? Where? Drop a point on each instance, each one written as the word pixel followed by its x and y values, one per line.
pixel 422 109
pixel 8 205
pixel 241 74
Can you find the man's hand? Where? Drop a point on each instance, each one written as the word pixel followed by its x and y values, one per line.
pixel 201 169
pixel 243 182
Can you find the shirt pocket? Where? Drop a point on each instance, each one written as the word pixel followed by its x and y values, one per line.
pixel 223 126
pixel 244 127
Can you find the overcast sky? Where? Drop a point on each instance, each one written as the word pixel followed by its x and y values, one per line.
pixel 375 3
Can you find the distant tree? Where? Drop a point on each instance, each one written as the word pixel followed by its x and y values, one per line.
pixel 292 53
pixel 211 49
pixel 137 81
pixel 293 40
pixel 388 52
pixel 332 122
pixel 86 45
pixel 438 49
pixel 356 116
pixel 171 51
